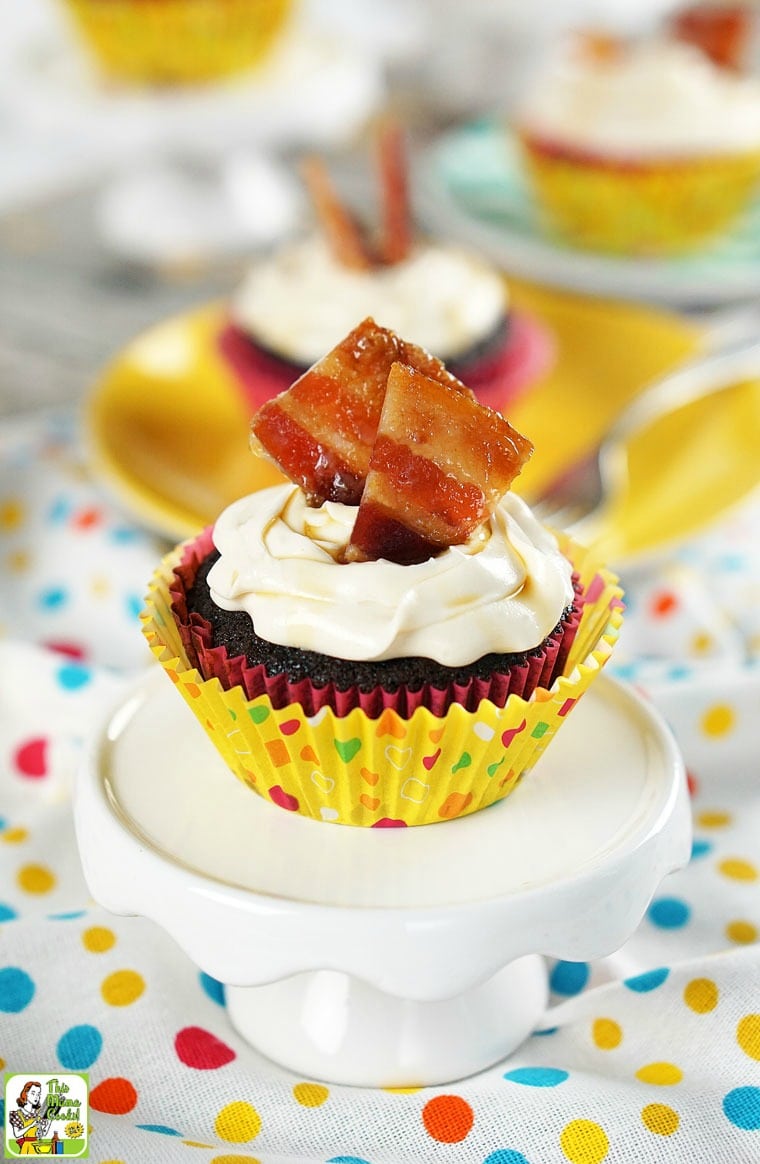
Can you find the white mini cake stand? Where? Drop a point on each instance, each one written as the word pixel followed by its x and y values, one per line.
pixel 383 957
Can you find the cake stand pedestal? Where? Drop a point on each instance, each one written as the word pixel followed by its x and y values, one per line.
pixel 383 957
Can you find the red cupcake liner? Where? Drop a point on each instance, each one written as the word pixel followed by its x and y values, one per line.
pixel 497 379
pixel 539 670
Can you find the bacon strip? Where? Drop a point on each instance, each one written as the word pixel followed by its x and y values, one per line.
pixel 396 221
pixel 342 231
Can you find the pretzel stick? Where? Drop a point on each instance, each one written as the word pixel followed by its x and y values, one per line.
pixel 341 230
pixel 396 236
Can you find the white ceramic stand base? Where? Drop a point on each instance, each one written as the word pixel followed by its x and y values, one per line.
pixel 384 957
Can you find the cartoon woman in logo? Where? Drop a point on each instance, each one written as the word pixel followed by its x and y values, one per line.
pixel 29 1122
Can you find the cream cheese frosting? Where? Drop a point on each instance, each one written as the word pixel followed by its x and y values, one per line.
pixel 656 98
pixel 299 302
pixel 502 591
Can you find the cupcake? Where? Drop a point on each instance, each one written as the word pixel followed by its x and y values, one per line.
pixel 390 638
pixel 297 302
pixel 645 148
pixel 175 42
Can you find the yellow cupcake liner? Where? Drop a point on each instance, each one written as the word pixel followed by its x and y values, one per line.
pixel 388 771
pixel 655 208
pixel 178 41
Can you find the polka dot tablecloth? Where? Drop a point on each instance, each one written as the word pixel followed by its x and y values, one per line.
pixel 652 1054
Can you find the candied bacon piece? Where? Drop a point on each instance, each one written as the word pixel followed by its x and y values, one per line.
pixel 396 237
pixel 440 463
pixel 341 230
pixel 320 432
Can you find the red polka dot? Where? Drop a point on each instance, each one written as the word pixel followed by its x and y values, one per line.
pixel 70 650
pixel 86 518
pixel 448 1118
pixel 389 822
pixel 202 1050
pixel 664 604
pixel 31 758
pixel 289 727
pixel 115 1096
pixel 282 798
pixel 691 782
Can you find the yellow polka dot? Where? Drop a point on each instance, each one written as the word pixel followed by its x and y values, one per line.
pixel 98 939
pixel 606 1033
pixel 584 1142
pixel 737 869
pixel 717 720
pixel 701 643
pixel 122 988
pixel 661 1074
pixel 238 1122
pixel 18 561
pixel 410 1090
pixel 714 819
pixel 741 932
pixel 660 1119
pixel 235 1160
pixel 310 1094
pixel 701 994
pixel 14 836
pixel 197 1144
pixel 2 1064
pixel 11 513
pixel 100 586
pixel 748 1035
pixel 35 879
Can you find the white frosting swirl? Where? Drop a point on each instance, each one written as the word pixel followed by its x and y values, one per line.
pixel 503 591
pixel 657 98
pixel 299 302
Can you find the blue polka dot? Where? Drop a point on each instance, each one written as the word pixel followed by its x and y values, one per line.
pixel 73 675
pixel 59 511
pixel 537 1076
pixel 732 562
pixel 16 989
pixel 53 598
pixel 123 535
pixel 669 913
pixel 505 1156
pixel 643 983
pixel 214 989
pixel 347 1160
pixel 569 977
pixel 134 605
pixel 546 1031
pixel 79 1047
pixel 742 1108
pixel 700 849
pixel 626 671
pixel 163 1131
pixel 680 671
pixel 7 912
pixel 3 823
pixel 70 916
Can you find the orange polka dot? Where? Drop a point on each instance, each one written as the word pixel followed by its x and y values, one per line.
pixel 98 939
pixel 2 1064
pixel 115 1096
pixel 660 1119
pixel 701 995
pixel 660 1074
pixel 14 836
pixel 122 988
pixel 11 513
pixel 714 819
pixel 584 1142
pixel 448 1118
pixel 237 1122
pixel 193 690
pixel 664 603
pixel 737 869
pixel 748 1035
pixel 35 879
pixel 717 720
pixel 606 1033
pixel 310 1094
pixel 742 932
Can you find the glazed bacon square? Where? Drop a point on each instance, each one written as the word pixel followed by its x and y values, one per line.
pixel 440 463
pixel 321 431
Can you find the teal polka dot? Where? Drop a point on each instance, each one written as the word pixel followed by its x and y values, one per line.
pixel 700 849
pixel 679 671
pixel 537 1076
pixel 69 916
pixel 59 510
pixel 123 535
pixel 16 989
pixel 79 1047
pixel 7 912
pixel 160 1128
pixel 347 1160
pixel 214 989
pixel 742 1107
pixel 134 605
pixel 669 913
pixel 505 1156
pixel 546 1031
pixel 643 983
pixel 72 675
pixel 569 977
pixel 53 598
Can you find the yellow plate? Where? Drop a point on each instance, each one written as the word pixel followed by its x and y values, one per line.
pixel 168 429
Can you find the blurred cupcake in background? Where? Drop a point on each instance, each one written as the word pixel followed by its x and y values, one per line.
pixel 640 148
pixel 178 42
pixel 297 301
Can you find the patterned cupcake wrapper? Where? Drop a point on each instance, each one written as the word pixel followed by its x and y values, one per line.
pixel 639 208
pixel 389 770
pixel 178 41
